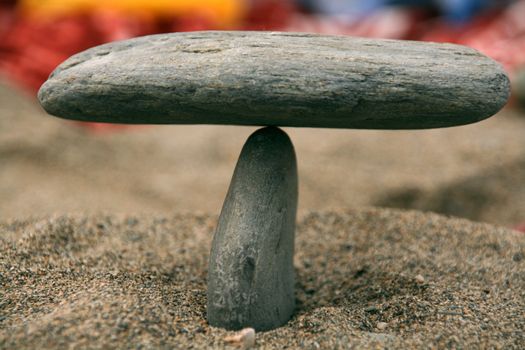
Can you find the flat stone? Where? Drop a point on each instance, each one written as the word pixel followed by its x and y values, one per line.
pixel 272 78
pixel 251 274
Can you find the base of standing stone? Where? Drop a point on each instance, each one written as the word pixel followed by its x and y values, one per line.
pixel 251 275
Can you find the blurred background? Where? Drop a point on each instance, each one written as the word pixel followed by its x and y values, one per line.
pixel 51 166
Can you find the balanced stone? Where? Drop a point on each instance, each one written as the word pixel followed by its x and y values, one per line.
pixel 251 276
pixel 272 78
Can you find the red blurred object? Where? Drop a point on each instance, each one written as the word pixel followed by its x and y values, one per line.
pixel 111 26
pixel 198 21
pixel 37 47
pixel 439 31
pixel 269 14
pixel 6 18
pixel 30 50
pixel 520 227
pixel 500 35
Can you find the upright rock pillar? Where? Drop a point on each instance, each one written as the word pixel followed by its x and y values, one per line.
pixel 251 276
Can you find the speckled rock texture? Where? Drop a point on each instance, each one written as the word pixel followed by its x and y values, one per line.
pixel 251 274
pixel 280 79
pixel 115 282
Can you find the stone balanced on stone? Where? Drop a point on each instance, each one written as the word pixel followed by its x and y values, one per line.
pixel 271 79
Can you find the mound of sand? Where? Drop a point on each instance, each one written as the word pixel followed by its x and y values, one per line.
pixel 364 278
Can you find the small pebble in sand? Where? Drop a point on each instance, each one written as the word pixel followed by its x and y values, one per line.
pixel 420 279
pixel 245 338
pixel 381 325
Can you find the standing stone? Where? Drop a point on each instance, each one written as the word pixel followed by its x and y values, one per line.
pixel 251 276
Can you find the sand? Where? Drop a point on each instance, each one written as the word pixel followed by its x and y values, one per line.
pixel 118 257
pixel 49 166
pixel 365 278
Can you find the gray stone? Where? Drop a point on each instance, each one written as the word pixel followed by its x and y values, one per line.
pixel 251 276
pixel 270 78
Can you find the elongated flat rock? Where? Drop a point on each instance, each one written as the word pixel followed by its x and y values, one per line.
pixel 282 79
pixel 251 274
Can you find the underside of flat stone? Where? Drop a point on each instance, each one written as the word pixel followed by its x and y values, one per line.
pixel 281 79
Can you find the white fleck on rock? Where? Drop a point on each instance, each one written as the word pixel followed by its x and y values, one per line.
pixel 245 338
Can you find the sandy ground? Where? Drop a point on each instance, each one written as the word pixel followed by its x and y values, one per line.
pixel 365 278
pixel 126 266
pixel 51 166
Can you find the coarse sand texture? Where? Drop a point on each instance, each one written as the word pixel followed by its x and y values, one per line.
pixel 364 278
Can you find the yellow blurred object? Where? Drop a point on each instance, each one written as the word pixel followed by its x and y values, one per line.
pixel 222 12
